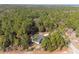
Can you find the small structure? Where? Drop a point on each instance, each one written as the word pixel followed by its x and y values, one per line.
pixel 40 37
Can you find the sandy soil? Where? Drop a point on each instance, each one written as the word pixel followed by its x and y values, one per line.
pixel 64 51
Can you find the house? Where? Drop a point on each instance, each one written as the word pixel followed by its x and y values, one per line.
pixel 40 37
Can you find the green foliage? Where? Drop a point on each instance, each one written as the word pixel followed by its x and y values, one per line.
pixel 25 41
pixel 18 24
pixel 54 41
pixel 73 22
pixel 1 42
pixel 35 37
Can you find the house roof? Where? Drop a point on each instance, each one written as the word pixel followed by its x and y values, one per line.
pixel 40 37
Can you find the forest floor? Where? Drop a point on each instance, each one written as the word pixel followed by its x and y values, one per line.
pixel 64 51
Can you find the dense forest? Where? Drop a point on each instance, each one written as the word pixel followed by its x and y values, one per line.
pixel 19 23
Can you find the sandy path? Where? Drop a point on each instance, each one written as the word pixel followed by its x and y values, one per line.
pixel 74 42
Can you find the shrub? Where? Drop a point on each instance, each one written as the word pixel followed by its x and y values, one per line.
pixel 54 41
